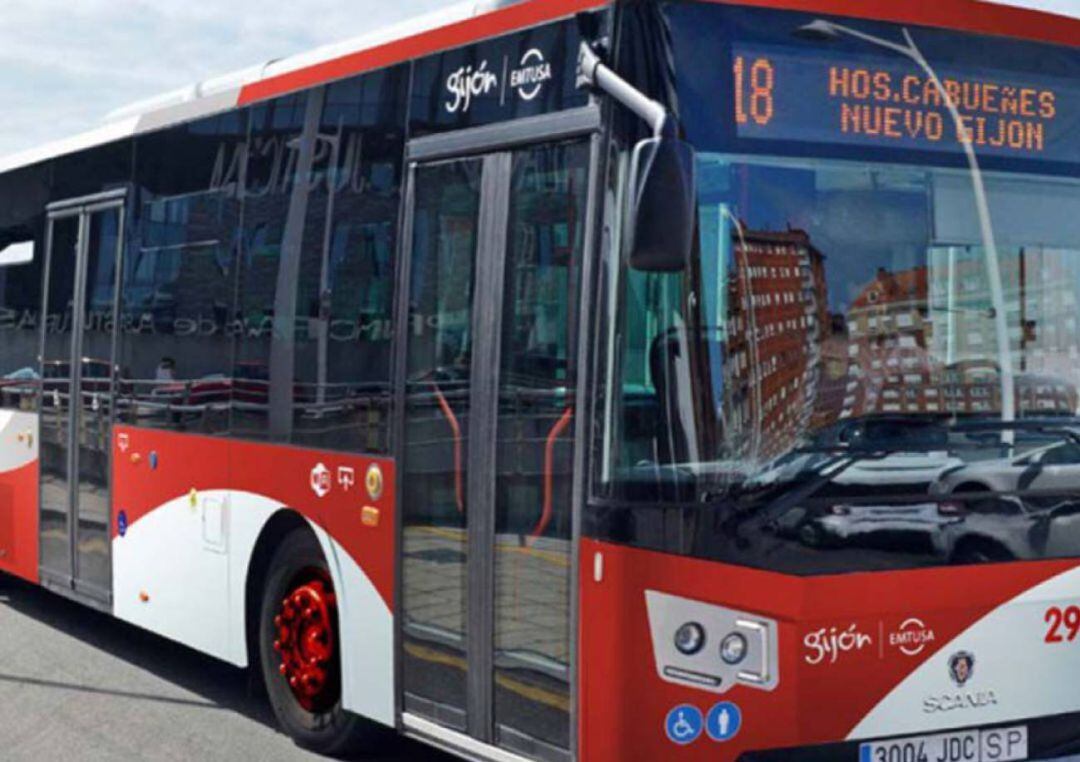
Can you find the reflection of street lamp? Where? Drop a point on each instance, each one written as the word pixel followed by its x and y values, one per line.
pixel 820 29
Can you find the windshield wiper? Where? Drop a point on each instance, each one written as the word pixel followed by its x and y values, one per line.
pixel 823 475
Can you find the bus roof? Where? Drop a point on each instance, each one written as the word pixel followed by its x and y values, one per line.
pixel 474 20
pixel 456 25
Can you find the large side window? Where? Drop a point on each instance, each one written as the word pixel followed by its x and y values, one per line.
pixel 176 327
pixel 277 143
pixel 23 196
pixel 346 279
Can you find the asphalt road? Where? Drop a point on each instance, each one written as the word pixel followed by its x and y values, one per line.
pixel 77 685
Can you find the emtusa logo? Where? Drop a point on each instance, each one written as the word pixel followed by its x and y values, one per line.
pixel 912 637
pixel 529 79
pixel 467 83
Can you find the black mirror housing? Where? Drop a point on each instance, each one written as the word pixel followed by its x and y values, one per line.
pixel 663 205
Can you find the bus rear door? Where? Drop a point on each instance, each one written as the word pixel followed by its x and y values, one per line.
pixel 85 240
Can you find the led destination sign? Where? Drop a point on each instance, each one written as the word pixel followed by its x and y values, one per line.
pixel 894 104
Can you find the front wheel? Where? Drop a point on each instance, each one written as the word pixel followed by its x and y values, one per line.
pixel 300 650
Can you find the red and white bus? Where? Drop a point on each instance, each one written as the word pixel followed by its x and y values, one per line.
pixel 574 380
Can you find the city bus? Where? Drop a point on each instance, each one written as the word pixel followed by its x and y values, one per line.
pixel 574 380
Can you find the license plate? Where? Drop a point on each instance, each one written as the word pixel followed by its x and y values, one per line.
pixel 996 745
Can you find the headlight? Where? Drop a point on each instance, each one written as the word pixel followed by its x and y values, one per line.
pixel 690 638
pixel 733 649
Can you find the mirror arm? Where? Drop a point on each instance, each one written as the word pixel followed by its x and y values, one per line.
pixel 593 72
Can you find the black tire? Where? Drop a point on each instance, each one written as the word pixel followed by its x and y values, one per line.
pixel 327 729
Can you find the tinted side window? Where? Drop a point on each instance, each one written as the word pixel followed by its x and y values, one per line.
pixel 176 343
pixel 346 279
pixel 274 150
pixel 23 196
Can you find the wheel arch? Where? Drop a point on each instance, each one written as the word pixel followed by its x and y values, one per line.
pixel 277 527
pixel 366 624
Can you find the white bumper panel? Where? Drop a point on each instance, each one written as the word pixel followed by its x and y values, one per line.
pixel 1016 673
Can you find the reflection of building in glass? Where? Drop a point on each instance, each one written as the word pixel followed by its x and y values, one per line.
pixel 923 340
pixel 1040 287
pixel 777 319
pixel 889 368
pixel 833 381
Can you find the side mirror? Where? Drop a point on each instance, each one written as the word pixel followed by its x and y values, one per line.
pixel 663 205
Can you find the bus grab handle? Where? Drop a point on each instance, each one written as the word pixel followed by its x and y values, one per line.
pixel 549 477
pixel 448 413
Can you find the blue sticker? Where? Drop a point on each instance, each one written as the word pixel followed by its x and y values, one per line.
pixel 724 721
pixel 121 523
pixel 153 461
pixel 684 724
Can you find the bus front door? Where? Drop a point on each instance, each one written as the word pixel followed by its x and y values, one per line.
pixel 493 255
pixel 75 405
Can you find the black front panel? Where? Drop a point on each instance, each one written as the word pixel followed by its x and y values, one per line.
pixel 526 74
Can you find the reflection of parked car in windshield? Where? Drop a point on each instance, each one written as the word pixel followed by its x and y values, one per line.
pixel 1024 505
pixel 980 530
pixel 877 451
pixel 1054 467
pixel 1006 527
pixel 906 527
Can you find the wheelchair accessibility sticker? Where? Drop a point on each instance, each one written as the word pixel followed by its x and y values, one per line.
pixel 684 724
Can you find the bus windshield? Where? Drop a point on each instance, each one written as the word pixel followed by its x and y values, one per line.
pixel 872 310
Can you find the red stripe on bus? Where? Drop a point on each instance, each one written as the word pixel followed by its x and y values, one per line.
pixel 152 468
pixel 19 521
pixel 444 38
pixel 961 15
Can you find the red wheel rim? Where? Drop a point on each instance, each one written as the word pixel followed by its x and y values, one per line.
pixel 306 641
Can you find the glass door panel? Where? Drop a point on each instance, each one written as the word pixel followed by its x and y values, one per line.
pixel 55 401
pixel 488 445
pixel 533 516
pixel 93 415
pixel 445 225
